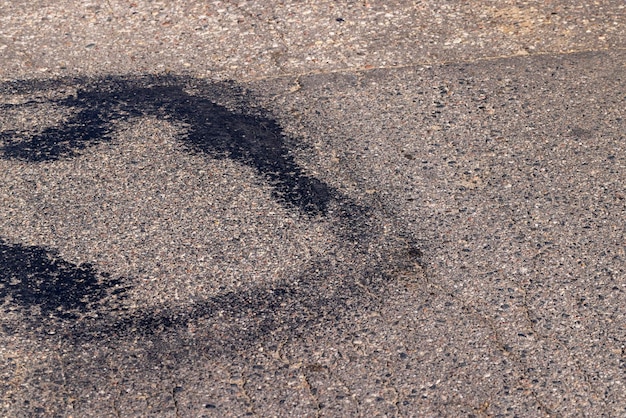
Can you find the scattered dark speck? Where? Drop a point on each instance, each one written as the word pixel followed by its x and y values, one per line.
pixel 415 252
pixel 315 367
pixel 210 406
pixel 340 19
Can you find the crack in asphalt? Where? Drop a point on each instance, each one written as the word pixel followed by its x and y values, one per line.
pixel 473 310
pixel 310 390
pixel 364 69
pixel 292 186
pixel 241 385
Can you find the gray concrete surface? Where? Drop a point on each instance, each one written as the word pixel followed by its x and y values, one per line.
pixel 364 209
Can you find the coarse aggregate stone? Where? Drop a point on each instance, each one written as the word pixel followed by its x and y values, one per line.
pixel 246 40
pixel 432 224
pixel 521 184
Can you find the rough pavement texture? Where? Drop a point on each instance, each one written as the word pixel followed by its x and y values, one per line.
pixel 243 40
pixel 324 235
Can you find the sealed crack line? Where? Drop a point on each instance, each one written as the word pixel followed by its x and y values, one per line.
pixel 353 397
pixel 241 385
pixel 357 70
pixel 310 390
pixel 396 394
pixel 175 391
pixel 549 411
pixel 116 401
pixel 472 310
pixel 547 337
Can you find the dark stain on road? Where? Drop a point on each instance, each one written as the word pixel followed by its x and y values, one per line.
pixel 232 322
pixel 53 290
pixel 213 129
pixel 35 277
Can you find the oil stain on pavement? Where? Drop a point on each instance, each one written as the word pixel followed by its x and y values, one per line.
pixel 55 291
pixel 169 250
pixel 34 277
pixel 211 128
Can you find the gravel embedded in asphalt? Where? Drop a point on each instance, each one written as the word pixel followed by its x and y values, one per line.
pixel 352 227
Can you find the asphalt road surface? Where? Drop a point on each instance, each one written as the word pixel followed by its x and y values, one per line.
pixel 395 231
